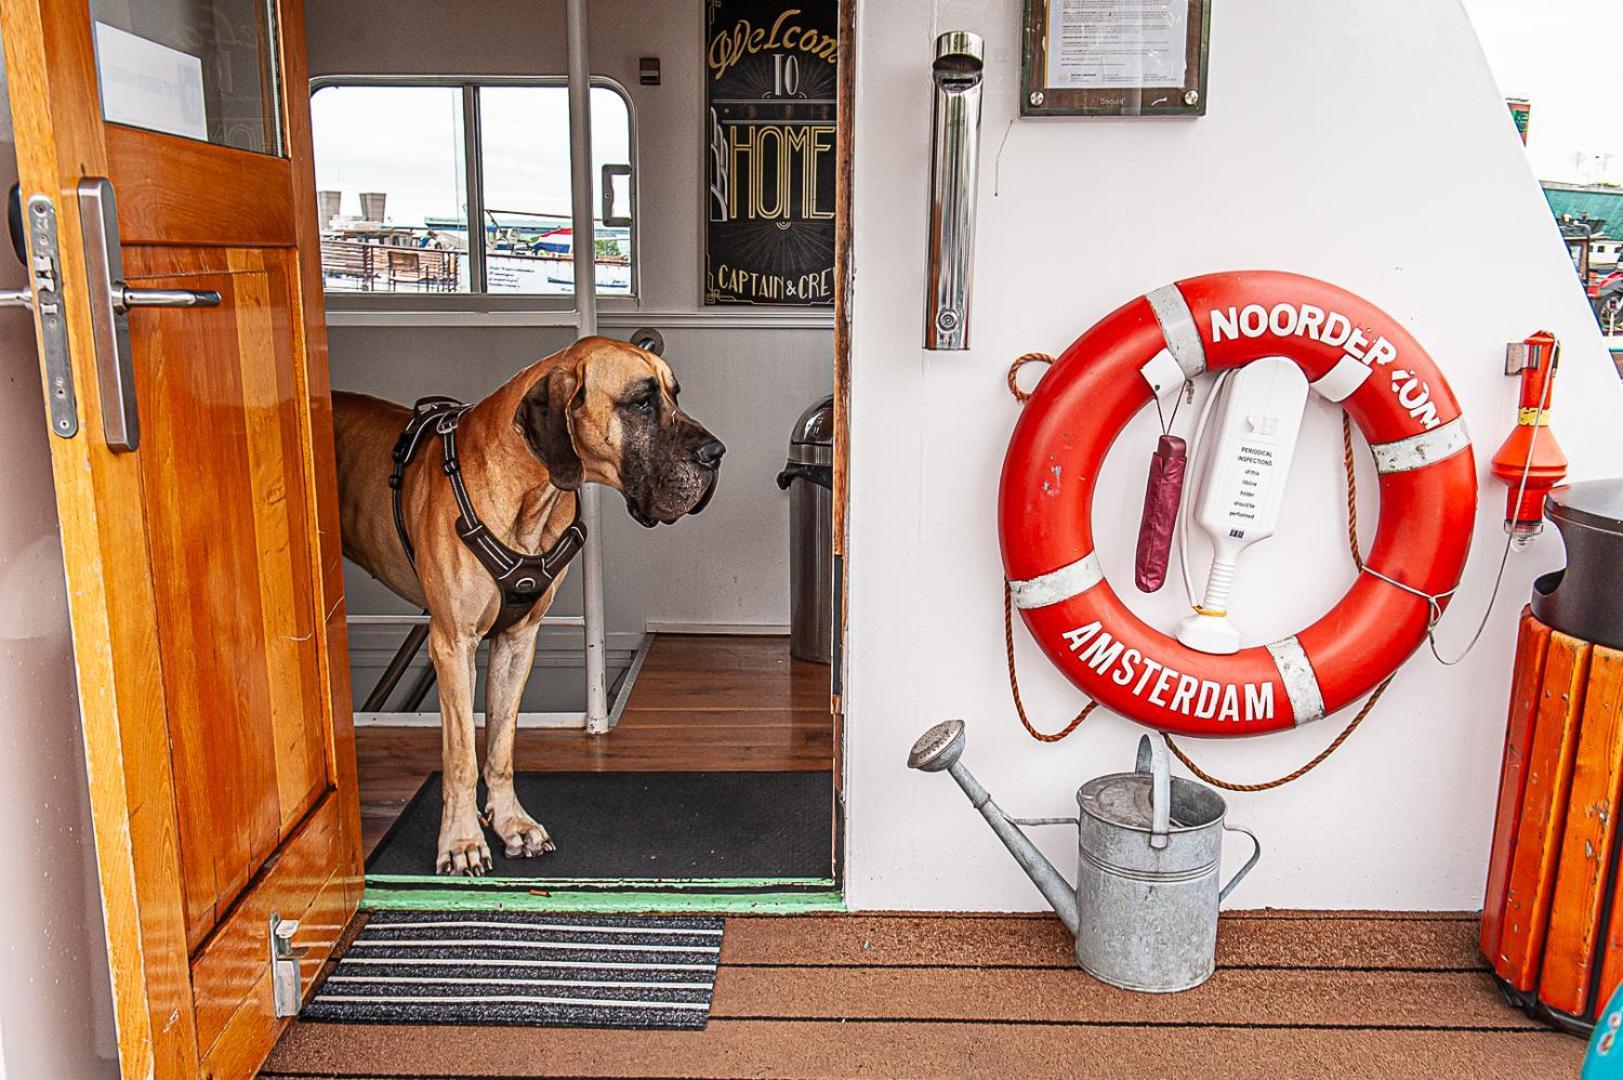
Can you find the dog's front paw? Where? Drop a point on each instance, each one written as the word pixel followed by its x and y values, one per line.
pixel 467 855
pixel 522 836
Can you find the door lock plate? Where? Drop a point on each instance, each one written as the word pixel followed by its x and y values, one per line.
pixel 45 274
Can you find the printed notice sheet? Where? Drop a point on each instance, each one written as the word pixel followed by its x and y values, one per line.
pixel 1117 43
pixel 149 85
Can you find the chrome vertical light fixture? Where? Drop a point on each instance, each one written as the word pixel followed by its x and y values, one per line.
pixel 955 145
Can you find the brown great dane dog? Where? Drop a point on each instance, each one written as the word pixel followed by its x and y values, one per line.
pixel 600 411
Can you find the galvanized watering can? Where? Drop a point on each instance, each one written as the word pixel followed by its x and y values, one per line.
pixel 1144 907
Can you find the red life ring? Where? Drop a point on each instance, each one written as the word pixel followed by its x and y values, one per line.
pixel 1352 353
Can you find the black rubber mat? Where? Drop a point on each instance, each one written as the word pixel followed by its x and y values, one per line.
pixel 645 825
pixel 503 968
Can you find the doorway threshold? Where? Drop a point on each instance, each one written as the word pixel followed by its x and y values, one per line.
pixel 737 896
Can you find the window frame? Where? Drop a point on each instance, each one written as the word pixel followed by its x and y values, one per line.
pixel 480 302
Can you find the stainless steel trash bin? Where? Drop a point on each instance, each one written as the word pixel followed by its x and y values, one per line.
pixel 809 479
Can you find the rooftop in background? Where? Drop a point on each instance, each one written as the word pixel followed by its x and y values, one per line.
pixel 1599 202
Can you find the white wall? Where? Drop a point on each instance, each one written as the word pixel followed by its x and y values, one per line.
pixel 56 1010
pixel 748 384
pixel 1362 143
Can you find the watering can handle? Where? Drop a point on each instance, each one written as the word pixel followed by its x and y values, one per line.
pixel 1256 853
pixel 1152 760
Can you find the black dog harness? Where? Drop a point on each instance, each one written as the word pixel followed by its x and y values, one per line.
pixel 522 578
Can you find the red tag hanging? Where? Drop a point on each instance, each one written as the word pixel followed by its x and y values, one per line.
pixel 1162 494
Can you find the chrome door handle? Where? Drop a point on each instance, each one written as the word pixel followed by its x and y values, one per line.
pixel 17 298
pixel 125 297
pixel 110 303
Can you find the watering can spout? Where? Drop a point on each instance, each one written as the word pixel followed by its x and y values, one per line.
pixel 939 750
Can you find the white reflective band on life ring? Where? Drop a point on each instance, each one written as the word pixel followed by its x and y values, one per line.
pixel 1301 682
pixel 1057 585
pixel 1339 382
pixel 1163 374
pixel 1179 329
pixel 1418 451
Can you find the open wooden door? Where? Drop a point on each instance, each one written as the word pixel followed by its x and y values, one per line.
pixel 194 477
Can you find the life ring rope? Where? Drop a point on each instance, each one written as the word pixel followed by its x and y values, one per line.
pixel 1295 774
pixel 1022 396
pixel 1014 684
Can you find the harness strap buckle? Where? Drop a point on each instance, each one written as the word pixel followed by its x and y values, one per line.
pixel 523 578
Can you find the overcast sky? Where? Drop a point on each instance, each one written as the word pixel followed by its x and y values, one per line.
pixel 1565 57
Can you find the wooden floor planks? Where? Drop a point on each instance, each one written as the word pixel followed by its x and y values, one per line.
pixel 1383 999
pixel 1297 994
pixel 803 1049
pixel 1385 940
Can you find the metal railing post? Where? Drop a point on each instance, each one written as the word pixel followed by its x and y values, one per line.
pixel 583 245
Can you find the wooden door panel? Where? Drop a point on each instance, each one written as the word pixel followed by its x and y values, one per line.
pixel 230 976
pixel 204 568
pixel 282 514
pixel 184 192
pixel 228 509
pixel 313 391
pixel 204 565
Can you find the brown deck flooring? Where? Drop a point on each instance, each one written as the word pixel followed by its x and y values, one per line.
pixel 730 704
pixel 1296 994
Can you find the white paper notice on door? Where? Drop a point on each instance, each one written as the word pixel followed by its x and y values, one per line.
pixel 149 85
pixel 1117 43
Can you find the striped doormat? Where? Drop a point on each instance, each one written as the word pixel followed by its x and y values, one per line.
pixel 524 968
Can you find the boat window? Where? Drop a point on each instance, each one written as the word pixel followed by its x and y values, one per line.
pixel 401 170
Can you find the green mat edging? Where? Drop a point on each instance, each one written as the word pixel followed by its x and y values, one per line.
pixel 462 899
pixel 568 884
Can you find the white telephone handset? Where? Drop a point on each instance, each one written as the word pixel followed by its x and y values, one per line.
pixel 1245 482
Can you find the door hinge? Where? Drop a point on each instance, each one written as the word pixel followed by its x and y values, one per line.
pixel 44 296
pixel 285 983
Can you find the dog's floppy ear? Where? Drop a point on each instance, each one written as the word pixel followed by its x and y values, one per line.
pixel 543 420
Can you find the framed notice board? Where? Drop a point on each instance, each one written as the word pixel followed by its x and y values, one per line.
pixel 1115 57
pixel 770 97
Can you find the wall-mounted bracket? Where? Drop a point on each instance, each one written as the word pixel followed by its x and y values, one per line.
pixel 285 988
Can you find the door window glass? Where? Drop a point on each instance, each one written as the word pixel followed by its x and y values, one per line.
pixel 204 69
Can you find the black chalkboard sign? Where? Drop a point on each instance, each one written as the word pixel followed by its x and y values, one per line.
pixel 770 113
